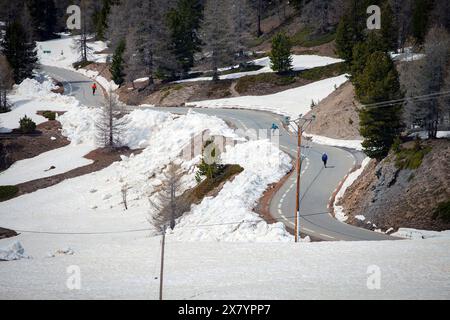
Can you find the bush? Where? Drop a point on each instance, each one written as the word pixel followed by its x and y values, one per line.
pixel 8 192
pixel 410 158
pixel 27 125
pixel 50 115
pixel 443 211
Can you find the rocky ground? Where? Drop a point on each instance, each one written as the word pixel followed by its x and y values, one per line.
pixel 390 197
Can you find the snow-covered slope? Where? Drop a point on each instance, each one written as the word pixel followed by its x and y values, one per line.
pixel 292 102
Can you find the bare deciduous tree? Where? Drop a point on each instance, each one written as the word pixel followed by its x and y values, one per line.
pixel 217 34
pixel 111 124
pixel 424 77
pixel 6 81
pixel 168 204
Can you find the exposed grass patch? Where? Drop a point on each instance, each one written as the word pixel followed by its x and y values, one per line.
pixel 305 38
pixel 320 73
pixel 244 83
pixel 277 80
pixel 443 211
pixel 411 158
pixel 8 192
pixel 50 115
pixel 196 195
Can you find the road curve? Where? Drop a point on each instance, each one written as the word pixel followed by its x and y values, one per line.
pixel 318 183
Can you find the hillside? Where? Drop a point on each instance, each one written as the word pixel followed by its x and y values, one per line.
pixel 391 197
pixel 336 115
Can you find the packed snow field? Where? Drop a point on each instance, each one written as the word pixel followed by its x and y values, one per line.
pixel 126 266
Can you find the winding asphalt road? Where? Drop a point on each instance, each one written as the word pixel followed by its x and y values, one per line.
pixel 318 183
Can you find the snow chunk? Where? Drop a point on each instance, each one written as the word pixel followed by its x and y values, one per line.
pixel 14 251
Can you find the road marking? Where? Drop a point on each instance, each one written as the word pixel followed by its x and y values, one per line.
pixel 327 236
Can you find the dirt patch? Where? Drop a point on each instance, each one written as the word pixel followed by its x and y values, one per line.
pixel 101 157
pixel 390 197
pixel 337 115
pixel 18 146
pixel 171 95
pixel 101 68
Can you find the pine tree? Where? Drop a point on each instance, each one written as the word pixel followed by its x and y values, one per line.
pixel 20 51
pixel 117 66
pixel 280 56
pixel 388 29
pixel 184 23
pixel 351 29
pixel 43 18
pixel 6 82
pixel 379 125
pixel 100 18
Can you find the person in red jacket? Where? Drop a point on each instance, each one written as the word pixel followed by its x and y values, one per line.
pixel 94 88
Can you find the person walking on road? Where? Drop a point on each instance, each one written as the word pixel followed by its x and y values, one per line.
pixel 94 88
pixel 325 159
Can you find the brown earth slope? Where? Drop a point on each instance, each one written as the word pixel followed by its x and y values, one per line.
pixel 337 116
pixel 392 198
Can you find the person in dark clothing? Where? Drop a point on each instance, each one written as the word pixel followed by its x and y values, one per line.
pixel 325 159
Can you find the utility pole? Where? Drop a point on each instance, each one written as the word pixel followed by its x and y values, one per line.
pixel 301 124
pixel 161 275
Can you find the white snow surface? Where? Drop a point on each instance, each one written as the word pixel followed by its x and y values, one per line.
pixel 63 159
pixel 292 102
pixel 299 62
pixel 352 177
pixel 126 266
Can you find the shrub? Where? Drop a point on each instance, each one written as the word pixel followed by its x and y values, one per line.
pixel 27 125
pixel 8 192
pixel 443 211
pixel 411 158
pixel 50 115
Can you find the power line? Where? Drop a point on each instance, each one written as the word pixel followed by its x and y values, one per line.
pixel 422 98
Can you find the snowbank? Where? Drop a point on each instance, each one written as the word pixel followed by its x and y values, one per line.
pixel 351 144
pixel 299 62
pixel 31 96
pixel 229 216
pixel 14 251
pixel 420 234
pixel 339 210
pixel 291 102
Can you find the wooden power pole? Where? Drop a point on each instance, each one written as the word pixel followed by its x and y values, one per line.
pixel 161 275
pixel 301 124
